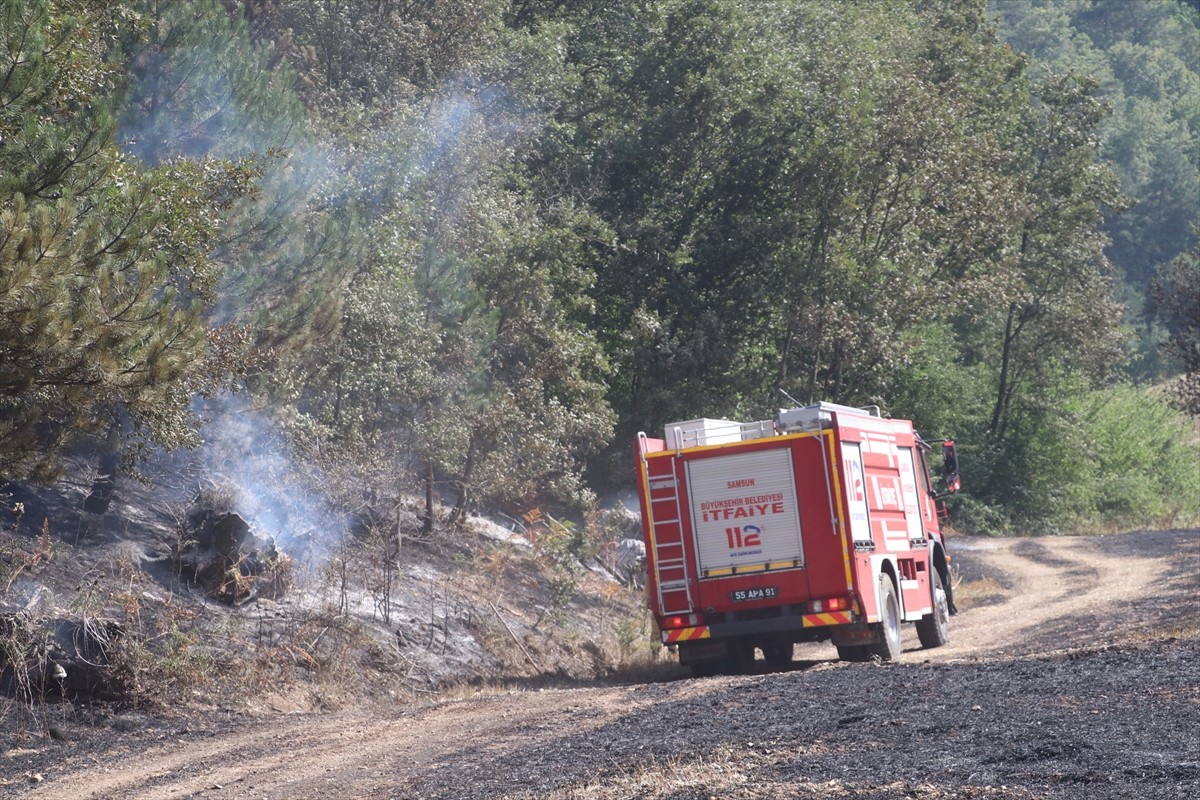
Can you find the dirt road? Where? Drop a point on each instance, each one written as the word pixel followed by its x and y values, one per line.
pixel 1073 672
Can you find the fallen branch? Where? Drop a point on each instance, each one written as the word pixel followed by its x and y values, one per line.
pixel 496 611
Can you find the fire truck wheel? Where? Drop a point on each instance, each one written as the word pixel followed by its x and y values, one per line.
pixel 852 652
pixel 741 658
pixel 778 655
pixel 934 629
pixel 888 628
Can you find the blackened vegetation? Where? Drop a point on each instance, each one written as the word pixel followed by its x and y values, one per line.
pixel 61 657
pixel 1098 723
pixel 219 552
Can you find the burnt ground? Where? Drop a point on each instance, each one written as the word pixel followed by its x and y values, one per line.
pixel 1116 722
pixel 1073 672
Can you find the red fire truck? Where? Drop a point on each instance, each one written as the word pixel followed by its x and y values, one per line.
pixel 821 524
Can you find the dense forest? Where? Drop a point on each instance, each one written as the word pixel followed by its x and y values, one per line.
pixel 471 247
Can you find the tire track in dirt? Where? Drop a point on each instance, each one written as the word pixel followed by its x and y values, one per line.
pixel 1034 587
pixel 340 754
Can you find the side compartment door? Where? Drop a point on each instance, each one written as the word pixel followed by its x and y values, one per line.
pixel 856 493
pixel 914 583
pixel 909 497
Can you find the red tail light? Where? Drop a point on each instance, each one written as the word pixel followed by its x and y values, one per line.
pixel 832 604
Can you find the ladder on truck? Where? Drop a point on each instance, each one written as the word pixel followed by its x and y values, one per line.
pixel 665 516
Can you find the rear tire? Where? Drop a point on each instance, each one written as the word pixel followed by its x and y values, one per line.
pixel 933 629
pixel 852 652
pixel 778 655
pixel 887 648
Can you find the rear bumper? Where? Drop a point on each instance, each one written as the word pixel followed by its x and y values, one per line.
pixel 791 623
pixel 677 635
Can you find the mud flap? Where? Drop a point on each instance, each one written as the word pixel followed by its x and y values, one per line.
pixel 702 651
pixel 948 587
pixel 854 635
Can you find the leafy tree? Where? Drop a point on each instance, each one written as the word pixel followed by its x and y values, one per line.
pixel 814 200
pixel 369 56
pixel 101 261
pixel 200 89
pixel 1140 458
pixel 792 189
pixel 1142 54
pixel 544 371
pixel 1176 297
pixel 478 373
pixel 1059 310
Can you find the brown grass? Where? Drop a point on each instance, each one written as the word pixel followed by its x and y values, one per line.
pixel 724 772
pixel 731 772
pixel 977 592
pixel 1187 629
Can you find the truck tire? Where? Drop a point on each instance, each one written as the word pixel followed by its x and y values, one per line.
pixel 933 629
pixel 740 660
pixel 778 655
pixel 887 648
pixel 852 652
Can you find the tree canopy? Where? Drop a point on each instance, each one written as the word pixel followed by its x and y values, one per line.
pixel 1143 57
pixel 468 249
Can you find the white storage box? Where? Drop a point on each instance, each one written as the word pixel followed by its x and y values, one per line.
pixel 758 430
pixel 700 432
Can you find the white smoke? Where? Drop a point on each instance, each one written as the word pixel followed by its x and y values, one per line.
pixel 278 495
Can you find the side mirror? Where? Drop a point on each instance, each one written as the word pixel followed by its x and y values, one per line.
pixel 950 466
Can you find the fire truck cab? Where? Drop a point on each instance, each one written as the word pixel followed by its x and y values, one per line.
pixel 821 524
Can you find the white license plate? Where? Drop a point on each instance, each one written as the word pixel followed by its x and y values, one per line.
pixel 762 593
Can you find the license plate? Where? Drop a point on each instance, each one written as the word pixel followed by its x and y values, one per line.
pixel 762 593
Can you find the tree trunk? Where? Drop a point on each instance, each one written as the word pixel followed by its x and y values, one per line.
pixel 427 522
pixel 1003 389
pixel 460 505
pixel 785 353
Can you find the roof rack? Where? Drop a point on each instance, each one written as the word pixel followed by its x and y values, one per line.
pixel 817 416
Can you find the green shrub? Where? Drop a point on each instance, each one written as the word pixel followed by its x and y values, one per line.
pixel 1118 457
pixel 977 518
pixel 1145 459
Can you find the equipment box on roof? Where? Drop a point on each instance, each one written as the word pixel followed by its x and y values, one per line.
pixel 701 432
pixel 705 432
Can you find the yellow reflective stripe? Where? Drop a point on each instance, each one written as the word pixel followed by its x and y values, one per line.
pixel 751 570
pixel 843 530
pixel 686 634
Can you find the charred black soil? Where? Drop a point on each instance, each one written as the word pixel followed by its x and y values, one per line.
pixel 1110 722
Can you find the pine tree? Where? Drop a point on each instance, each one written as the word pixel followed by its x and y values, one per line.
pixel 201 90
pixel 102 263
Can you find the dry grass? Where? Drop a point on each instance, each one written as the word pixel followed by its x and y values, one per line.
pixel 733 773
pixel 978 592
pixel 723 773
pixel 1186 629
